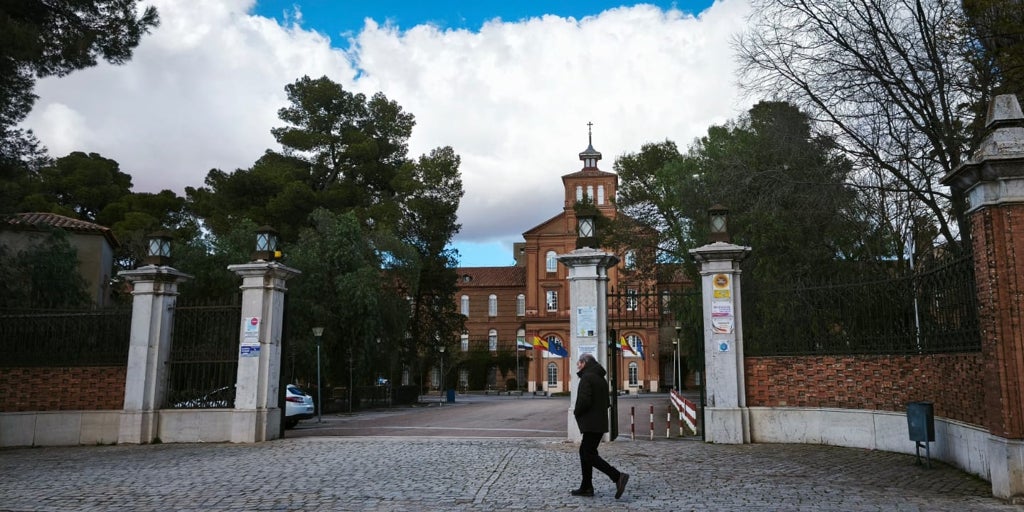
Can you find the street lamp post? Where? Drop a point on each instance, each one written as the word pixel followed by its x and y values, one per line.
pixel 441 382
pixel 678 368
pixel 317 333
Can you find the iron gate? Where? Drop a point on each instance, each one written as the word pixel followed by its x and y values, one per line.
pixel 673 315
pixel 203 363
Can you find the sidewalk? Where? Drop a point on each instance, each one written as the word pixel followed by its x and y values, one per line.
pixel 415 473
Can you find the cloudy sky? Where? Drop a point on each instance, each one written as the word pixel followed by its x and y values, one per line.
pixel 510 86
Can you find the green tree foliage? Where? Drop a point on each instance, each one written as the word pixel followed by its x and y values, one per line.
pixel 997 26
pixel 40 38
pixel 344 160
pixel 78 185
pixel 894 81
pixel 784 186
pixel 42 275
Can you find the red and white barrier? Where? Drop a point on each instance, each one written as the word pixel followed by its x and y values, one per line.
pixel 687 411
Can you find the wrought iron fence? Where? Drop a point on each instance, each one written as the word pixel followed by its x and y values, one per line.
pixel 91 337
pixel 932 311
pixel 203 363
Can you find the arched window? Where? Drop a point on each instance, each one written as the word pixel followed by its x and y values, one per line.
pixel 553 343
pixel 600 194
pixel 521 305
pixel 492 340
pixel 552 375
pixel 551 261
pixel 579 192
pixel 521 340
pixel 590 192
pixel 636 344
pixel 634 374
pixel 464 342
pixel 492 305
pixel 465 305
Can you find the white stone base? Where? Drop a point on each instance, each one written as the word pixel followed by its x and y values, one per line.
pixel 965 446
pixel 727 425
pixel 59 428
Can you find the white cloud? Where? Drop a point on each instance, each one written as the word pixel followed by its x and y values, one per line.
pixel 513 99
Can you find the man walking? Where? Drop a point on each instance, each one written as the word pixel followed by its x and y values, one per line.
pixel 591 413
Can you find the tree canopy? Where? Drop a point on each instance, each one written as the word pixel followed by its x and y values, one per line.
pixel 41 38
pixel 784 186
pixel 893 81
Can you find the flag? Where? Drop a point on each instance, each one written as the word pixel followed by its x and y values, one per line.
pixel 625 345
pixel 522 344
pixel 640 348
pixel 539 344
pixel 557 349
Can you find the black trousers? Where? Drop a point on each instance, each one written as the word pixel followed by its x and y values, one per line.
pixel 590 459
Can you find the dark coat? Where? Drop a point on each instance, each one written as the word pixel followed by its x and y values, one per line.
pixel 591 409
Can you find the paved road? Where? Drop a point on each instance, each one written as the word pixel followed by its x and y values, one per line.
pixel 416 472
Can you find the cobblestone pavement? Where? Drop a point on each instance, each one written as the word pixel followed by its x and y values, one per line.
pixel 419 473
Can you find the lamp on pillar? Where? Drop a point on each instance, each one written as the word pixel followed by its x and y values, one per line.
pixel 266 244
pixel 586 233
pixel 158 249
pixel 718 217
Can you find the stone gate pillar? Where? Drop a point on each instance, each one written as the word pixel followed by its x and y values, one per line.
pixel 257 416
pixel 726 418
pixel 588 316
pixel 154 293
pixel 993 182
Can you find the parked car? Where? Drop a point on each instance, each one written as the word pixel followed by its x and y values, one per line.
pixel 297 406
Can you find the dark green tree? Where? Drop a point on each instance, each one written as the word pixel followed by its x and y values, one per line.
pixel 79 185
pixel 784 186
pixel 40 38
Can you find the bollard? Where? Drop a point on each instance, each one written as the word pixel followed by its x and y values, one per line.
pixel 632 423
pixel 668 423
pixel 652 423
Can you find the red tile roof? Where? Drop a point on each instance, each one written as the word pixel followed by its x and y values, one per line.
pixel 491 276
pixel 36 220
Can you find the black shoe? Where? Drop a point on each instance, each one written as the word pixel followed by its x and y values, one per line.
pixel 620 485
pixel 582 492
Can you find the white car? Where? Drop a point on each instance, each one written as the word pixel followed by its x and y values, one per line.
pixel 297 406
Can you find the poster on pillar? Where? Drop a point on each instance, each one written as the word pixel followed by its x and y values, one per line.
pixel 586 321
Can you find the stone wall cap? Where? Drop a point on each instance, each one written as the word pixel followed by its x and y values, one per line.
pixel 1002 110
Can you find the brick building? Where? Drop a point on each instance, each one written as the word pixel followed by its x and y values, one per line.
pixel 512 306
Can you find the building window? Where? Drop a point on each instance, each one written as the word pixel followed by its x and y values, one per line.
pixel 600 194
pixel 464 342
pixel 521 340
pixel 463 378
pixel 633 374
pixel 551 261
pixel 638 346
pixel 551 299
pixel 552 375
pixel 590 192
pixel 632 299
pixel 554 344
pixel 492 305
pixel 492 340
pixel 521 305
pixel 579 193
pixel 465 305
pixel 629 259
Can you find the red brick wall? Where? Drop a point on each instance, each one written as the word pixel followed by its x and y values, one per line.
pixel 952 382
pixel 87 388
